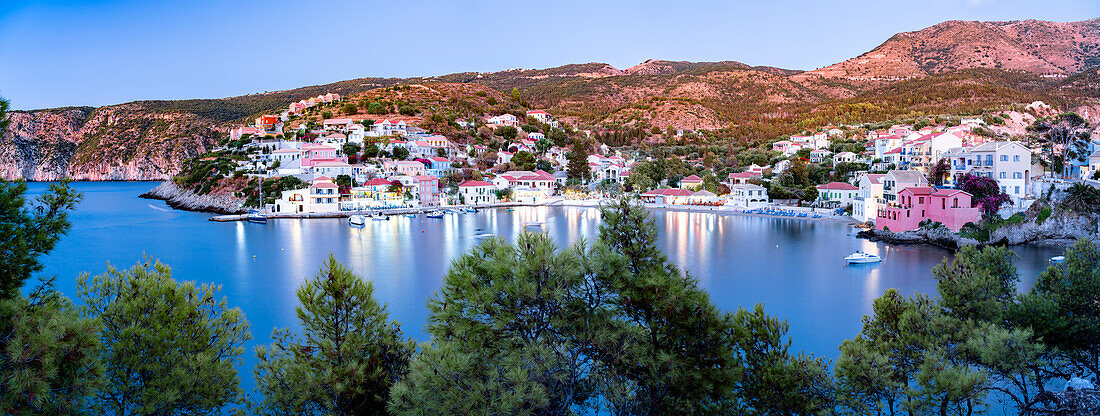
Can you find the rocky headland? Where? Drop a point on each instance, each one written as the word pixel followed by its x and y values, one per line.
pixel 220 203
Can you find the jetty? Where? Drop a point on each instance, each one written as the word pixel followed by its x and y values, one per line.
pixel 387 212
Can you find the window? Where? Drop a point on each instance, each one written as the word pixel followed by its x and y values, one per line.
pixel 1003 175
pixel 1017 190
pixel 1016 158
pixel 1004 158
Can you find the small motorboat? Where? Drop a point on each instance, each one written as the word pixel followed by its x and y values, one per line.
pixel 357 219
pixel 380 217
pixel 860 257
pixel 256 217
pixel 471 210
pixel 483 235
pixel 533 224
pixel 410 215
pixel 435 214
pixel 1057 259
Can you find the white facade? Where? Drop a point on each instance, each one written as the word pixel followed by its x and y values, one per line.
pixel 748 196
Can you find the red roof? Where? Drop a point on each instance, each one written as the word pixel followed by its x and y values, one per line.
pixel 744 175
pixel 692 179
pixel 669 192
pixel 837 186
pixel 324 185
pixel 537 112
pixel 378 182
pixel 918 190
pixel 474 183
pixel 895 150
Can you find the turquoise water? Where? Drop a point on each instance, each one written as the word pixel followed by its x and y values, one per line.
pixel 794 267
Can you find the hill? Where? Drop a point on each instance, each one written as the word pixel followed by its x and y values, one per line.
pixel 950 68
pixel 1039 47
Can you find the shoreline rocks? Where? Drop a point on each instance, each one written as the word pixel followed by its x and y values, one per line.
pixel 186 200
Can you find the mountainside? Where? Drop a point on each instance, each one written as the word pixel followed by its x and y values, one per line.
pixel 124 142
pixel 1050 48
pixel 954 67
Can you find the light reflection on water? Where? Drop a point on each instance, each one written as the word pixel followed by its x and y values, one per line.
pixel 794 267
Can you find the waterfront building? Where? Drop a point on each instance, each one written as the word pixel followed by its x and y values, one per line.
pixel 950 207
pixel 1009 163
pixel 477 192
pixel 865 207
pixel 896 180
pixel 667 196
pixel 837 194
pixel 692 182
pixel 747 196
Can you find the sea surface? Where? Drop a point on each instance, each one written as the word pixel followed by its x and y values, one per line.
pixel 794 267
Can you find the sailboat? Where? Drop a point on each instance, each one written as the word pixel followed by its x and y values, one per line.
pixel 256 216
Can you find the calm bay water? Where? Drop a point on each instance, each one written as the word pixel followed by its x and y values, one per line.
pixel 794 267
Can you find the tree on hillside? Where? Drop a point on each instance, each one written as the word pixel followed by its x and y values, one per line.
pixel 543 145
pixel 1066 137
pixel 577 162
pixel 1082 198
pixel 1062 307
pixel 906 360
pixel 47 355
pixel 30 230
pixel 370 151
pixel 4 122
pixel 346 359
pixel 350 149
pixel 400 153
pixel 523 161
pixel 167 347
pixel 986 192
pixel 349 109
pixel 507 132
pixel 377 108
pixel 326 114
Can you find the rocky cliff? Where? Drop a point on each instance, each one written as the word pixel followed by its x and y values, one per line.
pixel 220 203
pixel 122 142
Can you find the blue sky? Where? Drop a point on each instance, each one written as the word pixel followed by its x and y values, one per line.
pixel 98 52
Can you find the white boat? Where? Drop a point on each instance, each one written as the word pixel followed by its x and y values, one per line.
pixel 380 217
pixel 1057 259
pixel 483 235
pixel 256 217
pixel 533 224
pixel 860 257
pixel 357 219
pixel 435 214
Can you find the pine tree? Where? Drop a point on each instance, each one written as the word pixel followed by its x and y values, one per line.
pixel 167 347
pixel 346 359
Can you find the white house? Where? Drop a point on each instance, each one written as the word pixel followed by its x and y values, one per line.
pixel 503 120
pixel 747 196
pixel 1007 162
pixel 477 192
pixel 837 193
pixel 322 196
pixel 865 207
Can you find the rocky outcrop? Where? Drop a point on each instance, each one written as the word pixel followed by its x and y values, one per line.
pixel 122 142
pixel 1061 227
pixel 190 201
pixel 937 236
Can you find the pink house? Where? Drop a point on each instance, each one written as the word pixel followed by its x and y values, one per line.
pixel 313 153
pixel 950 207
pixel 428 187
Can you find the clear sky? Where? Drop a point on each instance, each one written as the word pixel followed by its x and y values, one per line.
pixel 97 52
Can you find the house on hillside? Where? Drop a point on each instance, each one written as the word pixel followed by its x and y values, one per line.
pixel 950 207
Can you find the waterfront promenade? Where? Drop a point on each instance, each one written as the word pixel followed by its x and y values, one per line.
pixel 825 214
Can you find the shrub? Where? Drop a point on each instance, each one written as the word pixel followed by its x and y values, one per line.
pixel 1043 215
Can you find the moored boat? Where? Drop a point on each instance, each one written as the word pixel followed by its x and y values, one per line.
pixel 860 257
pixel 435 214
pixel 1057 259
pixel 357 219
pixel 256 217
